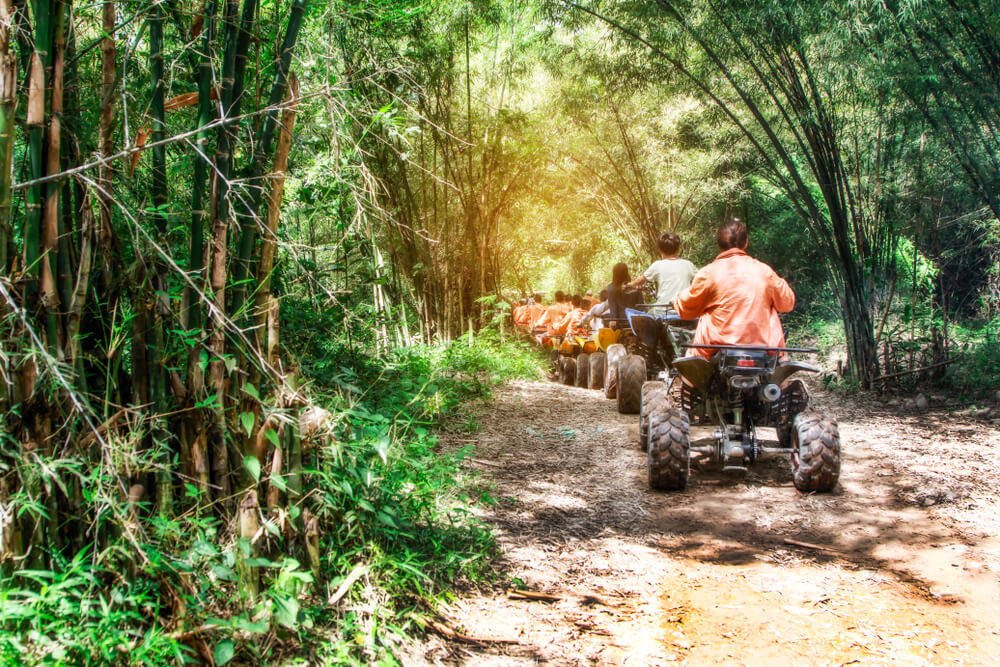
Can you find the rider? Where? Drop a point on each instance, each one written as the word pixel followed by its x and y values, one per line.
pixel 535 311
pixel 570 324
pixel 620 296
pixel 519 314
pixel 670 273
pixel 736 297
pixel 596 312
pixel 554 313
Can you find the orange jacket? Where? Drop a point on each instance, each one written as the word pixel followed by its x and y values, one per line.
pixel 535 313
pixel 570 323
pixel 738 300
pixel 553 315
pixel 521 314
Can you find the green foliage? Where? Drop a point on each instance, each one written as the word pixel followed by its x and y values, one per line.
pixel 389 498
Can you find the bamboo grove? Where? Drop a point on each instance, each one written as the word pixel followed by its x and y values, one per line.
pixel 140 330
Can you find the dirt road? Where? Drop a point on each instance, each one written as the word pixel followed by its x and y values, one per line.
pixel 910 573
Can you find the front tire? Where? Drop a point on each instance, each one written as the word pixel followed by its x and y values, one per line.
pixel 597 370
pixel 815 452
pixel 631 376
pixel 655 399
pixel 583 370
pixel 669 454
pixel 615 353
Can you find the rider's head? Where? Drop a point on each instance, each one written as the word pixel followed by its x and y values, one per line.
pixel 560 296
pixel 732 234
pixel 577 300
pixel 538 298
pixel 619 274
pixel 603 296
pixel 669 244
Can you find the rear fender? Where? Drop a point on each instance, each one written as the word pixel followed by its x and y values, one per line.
pixel 784 371
pixel 607 337
pixel 696 370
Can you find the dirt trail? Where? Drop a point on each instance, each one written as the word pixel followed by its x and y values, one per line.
pixel 705 576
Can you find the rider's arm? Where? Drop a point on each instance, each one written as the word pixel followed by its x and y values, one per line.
pixel 637 283
pixel 782 295
pixel 562 326
pixel 691 303
pixel 597 311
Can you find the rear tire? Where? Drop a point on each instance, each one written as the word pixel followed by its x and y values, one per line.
pixel 815 452
pixel 568 371
pixel 655 399
pixel 555 362
pixel 669 455
pixel 615 353
pixel 597 370
pixel 631 376
pixel 583 370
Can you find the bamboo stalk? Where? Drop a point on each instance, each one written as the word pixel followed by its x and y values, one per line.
pixel 249 525
pixel 248 226
pixel 8 104
pixel 35 121
pixel 79 297
pixel 50 220
pixel 293 445
pixel 269 243
pixel 196 263
pixel 310 534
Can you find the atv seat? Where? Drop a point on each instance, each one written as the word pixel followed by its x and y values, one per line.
pixel 696 370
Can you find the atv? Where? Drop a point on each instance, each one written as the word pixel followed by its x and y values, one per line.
pixel 739 389
pixel 569 356
pixel 645 347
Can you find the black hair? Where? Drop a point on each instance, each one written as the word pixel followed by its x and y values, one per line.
pixel 669 243
pixel 619 274
pixel 560 296
pixel 577 300
pixel 732 234
pixel 603 295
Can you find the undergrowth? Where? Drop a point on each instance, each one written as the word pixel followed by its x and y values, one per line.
pixel 396 530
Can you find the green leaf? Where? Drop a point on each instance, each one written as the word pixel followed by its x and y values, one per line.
pixel 253 466
pixel 210 402
pixel 279 482
pixel 286 610
pixel 251 390
pixel 224 652
pixel 260 627
pixel 247 420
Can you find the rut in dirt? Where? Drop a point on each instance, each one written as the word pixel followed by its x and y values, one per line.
pixel 902 549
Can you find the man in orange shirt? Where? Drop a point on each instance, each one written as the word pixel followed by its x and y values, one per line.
pixel 569 325
pixel 519 312
pixel 535 311
pixel 737 297
pixel 555 313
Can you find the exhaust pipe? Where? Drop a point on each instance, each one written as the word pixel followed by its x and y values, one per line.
pixel 770 392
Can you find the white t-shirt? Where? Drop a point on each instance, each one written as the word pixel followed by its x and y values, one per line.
pixel 671 276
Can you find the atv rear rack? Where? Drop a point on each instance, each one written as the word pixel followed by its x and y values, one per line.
pixel 755 348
